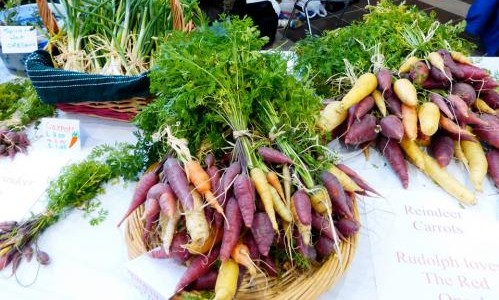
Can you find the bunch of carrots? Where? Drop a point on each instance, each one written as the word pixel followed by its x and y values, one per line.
pixel 270 198
pixel 442 104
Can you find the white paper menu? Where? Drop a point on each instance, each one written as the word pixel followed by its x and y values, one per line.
pixel 424 248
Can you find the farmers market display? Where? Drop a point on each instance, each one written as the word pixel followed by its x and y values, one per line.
pixel 240 180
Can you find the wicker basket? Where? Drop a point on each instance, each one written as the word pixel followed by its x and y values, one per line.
pixel 294 284
pixel 124 109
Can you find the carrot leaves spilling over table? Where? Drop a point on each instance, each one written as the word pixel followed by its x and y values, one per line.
pixel 77 187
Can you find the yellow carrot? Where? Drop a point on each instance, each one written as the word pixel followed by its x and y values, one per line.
pixel 413 152
pixel 407 64
pixel 195 220
pixel 437 61
pixel 447 182
pixel 461 58
pixel 380 102
pixel 429 117
pixel 319 198
pixel 410 121
pixel 332 116
pixel 213 239
pixel 482 106
pixel 459 154
pixel 478 165
pixel 405 90
pixel 346 182
pixel 226 285
pixel 274 181
pixel 263 188
pixel 279 206
pixel 363 87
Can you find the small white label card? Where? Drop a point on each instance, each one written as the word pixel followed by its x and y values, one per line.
pixel 18 39
pixel 61 134
pixel 424 248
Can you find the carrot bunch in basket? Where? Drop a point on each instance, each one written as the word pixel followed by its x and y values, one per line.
pixel 260 192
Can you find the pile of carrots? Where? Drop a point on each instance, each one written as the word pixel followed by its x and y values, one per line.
pixel 222 220
pixel 427 112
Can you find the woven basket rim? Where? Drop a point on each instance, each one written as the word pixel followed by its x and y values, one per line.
pixel 299 285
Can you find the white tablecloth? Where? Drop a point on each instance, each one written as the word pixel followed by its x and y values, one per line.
pixel 89 262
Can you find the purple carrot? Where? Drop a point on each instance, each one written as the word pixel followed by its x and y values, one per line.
pixel 364 106
pixel 28 253
pixel 395 157
pixel 306 251
pixel 206 282
pixel 177 250
pixel 263 232
pixel 273 156
pixel 438 75
pixel 394 104
pixel 322 225
pixel 493 168
pixel 140 193
pixel 178 181
pixel 419 73
pixel 442 149
pixel 472 72
pixel 358 179
pixel 151 214
pixel 491 97
pixel 250 242
pixel 442 105
pixel 472 118
pixel 431 83
pixel 199 266
pixel 361 131
pixel 158 253
pixel 347 227
pixel 167 201
pixel 488 133
pixel 209 160
pixel 392 127
pixel 244 191
pixel 384 80
pixel 232 229
pixel 228 179
pixel 458 104
pixel 488 83
pixel 336 193
pixel 324 246
pixel 449 63
pixel 215 180
pixel 269 266
pixel 465 91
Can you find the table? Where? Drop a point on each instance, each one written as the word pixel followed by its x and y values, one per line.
pixel 89 262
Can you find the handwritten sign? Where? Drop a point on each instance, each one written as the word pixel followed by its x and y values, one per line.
pixel 427 249
pixel 18 39
pixel 61 134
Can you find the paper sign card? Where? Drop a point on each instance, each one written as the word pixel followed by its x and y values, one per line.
pixel 156 279
pixel 18 39
pixel 424 248
pixel 61 134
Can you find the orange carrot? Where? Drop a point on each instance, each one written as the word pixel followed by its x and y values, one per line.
pixel 241 255
pixel 201 181
pixel 410 121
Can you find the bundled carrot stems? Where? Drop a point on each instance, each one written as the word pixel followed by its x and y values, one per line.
pixel 77 187
pixel 247 185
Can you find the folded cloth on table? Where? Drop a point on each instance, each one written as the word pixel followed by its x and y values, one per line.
pixel 62 86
